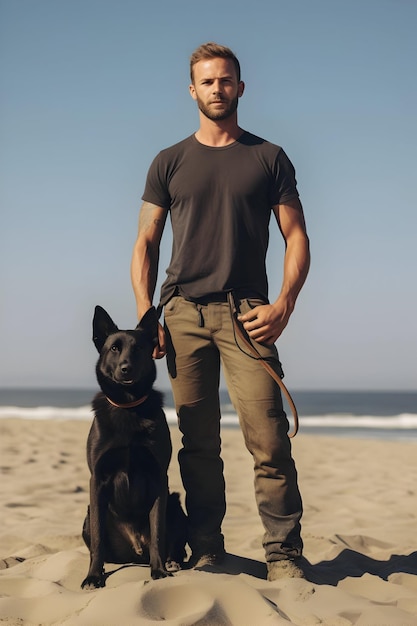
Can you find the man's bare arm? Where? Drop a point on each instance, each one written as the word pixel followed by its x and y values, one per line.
pixel 145 258
pixel 266 323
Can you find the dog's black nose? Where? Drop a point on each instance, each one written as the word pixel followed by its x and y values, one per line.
pixel 125 368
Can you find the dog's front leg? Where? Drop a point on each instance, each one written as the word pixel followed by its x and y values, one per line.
pixel 95 577
pixel 157 550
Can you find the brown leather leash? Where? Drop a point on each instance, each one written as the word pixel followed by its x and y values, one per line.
pixel 242 334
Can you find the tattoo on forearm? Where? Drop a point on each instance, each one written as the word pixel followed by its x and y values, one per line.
pixel 146 218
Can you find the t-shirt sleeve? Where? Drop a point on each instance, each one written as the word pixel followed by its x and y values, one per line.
pixel 156 188
pixel 285 184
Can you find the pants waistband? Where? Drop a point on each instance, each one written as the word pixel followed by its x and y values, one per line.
pixel 219 296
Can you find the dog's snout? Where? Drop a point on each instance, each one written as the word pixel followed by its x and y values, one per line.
pixel 125 368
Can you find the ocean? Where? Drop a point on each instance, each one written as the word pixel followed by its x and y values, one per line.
pixel 365 414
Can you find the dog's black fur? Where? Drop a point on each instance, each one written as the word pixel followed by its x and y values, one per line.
pixel 131 518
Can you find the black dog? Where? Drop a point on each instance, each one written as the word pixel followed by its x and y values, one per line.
pixel 131 518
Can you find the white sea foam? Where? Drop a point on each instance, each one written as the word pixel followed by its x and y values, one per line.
pixel 396 422
pixel 47 412
pixel 404 421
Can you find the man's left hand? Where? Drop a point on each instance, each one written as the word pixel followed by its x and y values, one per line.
pixel 266 322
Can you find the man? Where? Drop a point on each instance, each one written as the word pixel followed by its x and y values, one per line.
pixel 219 187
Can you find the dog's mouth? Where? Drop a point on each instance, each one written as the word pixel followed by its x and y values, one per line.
pixel 123 381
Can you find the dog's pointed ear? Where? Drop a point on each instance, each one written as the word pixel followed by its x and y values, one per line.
pixel 103 326
pixel 149 322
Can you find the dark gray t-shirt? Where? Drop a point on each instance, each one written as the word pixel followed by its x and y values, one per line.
pixel 220 202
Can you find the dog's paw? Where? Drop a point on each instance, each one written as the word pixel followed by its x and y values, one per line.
pixel 93 582
pixel 158 573
pixel 172 566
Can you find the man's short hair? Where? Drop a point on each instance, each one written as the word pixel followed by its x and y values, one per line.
pixel 212 50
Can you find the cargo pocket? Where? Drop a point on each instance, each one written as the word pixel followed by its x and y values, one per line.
pixel 267 352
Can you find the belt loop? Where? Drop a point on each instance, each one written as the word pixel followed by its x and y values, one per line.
pixel 233 302
pixel 200 316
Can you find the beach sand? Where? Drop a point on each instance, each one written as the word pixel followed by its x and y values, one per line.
pixel 359 530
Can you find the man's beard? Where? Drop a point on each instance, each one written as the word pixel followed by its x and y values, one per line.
pixel 221 114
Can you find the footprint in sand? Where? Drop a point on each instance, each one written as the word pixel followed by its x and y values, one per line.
pixel 11 561
pixel 183 604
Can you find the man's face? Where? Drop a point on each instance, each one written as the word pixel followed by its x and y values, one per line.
pixel 216 88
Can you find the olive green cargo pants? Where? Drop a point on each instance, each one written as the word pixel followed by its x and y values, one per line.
pixel 200 338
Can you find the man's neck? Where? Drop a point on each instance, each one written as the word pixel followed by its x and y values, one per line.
pixel 218 134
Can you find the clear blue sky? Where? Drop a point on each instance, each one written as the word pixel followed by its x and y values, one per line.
pixel 91 90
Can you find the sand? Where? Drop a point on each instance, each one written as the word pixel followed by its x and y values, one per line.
pixel 359 529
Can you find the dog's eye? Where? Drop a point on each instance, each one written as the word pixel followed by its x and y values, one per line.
pixel 114 348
